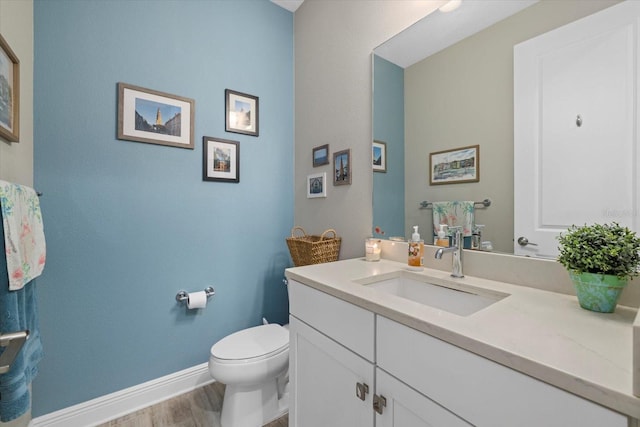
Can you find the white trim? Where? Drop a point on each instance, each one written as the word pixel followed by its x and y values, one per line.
pixel 120 403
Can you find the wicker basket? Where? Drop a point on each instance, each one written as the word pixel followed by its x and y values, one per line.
pixel 306 249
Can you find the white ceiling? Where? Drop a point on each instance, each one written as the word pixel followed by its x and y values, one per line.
pixel 439 30
pixel 291 5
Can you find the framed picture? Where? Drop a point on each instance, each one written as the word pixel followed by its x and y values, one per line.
pixel 342 167
pixel 321 155
pixel 9 93
pixel 317 185
pixel 241 112
pixel 220 160
pixel 455 166
pixel 379 153
pixel 146 115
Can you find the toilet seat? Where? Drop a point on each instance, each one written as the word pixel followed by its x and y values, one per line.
pixel 251 345
pixel 253 363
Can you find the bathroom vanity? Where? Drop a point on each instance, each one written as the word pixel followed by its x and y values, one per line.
pixel 374 344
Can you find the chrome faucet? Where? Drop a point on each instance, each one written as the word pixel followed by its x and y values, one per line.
pixel 456 248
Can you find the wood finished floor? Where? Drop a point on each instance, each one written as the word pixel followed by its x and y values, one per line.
pixel 199 408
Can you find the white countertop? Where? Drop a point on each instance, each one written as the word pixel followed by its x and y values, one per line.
pixel 540 333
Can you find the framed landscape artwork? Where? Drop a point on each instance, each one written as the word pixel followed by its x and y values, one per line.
pixel 146 115
pixel 379 156
pixel 320 155
pixel 9 93
pixel 455 166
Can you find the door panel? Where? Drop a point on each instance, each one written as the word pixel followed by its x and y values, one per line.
pixel 575 156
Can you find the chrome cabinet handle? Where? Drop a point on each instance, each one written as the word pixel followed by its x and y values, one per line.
pixel 523 241
pixel 379 403
pixel 361 391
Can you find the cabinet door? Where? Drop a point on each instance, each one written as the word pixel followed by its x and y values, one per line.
pixel 405 407
pixel 323 379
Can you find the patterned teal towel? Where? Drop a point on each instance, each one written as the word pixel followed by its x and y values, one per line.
pixel 18 312
pixel 25 247
pixel 454 214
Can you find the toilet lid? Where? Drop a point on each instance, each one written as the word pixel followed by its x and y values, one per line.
pixel 252 342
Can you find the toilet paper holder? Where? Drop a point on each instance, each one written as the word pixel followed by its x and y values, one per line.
pixel 182 296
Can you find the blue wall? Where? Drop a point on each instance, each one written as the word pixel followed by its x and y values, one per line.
pixel 130 224
pixel 388 126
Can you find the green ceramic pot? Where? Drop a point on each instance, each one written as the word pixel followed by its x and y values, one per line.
pixel 598 292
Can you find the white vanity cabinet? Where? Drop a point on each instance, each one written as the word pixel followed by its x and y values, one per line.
pixel 332 370
pixel 350 367
pixel 404 407
pixel 331 380
pixel 482 392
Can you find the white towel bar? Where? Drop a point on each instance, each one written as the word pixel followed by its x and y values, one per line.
pixel 13 341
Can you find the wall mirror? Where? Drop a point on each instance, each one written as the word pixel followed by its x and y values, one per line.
pixel 456 93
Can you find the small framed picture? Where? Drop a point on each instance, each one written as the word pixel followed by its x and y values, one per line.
pixel 146 115
pixel 321 155
pixel 455 166
pixel 220 160
pixel 317 185
pixel 241 112
pixel 379 156
pixel 342 167
pixel 9 93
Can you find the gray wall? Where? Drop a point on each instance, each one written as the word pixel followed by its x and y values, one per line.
pixel 333 94
pixel 16 27
pixel 463 96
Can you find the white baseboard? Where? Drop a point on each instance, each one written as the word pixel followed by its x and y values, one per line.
pixel 115 405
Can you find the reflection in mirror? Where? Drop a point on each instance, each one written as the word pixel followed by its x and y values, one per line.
pixel 460 95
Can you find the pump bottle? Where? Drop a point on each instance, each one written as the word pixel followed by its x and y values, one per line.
pixel 442 239
pixel 416 251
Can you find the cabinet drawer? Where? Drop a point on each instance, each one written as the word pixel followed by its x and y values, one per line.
pixel 346 323
pixel 478 390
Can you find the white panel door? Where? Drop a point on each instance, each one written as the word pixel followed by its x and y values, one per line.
pixel 323 376
pixel 405 407
pixel 575 137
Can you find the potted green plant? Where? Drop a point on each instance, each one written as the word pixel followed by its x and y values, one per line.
pixel 600 258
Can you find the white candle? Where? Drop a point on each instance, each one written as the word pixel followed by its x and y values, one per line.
pixel 372 249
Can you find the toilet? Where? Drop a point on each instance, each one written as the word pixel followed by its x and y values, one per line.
pixel 253 364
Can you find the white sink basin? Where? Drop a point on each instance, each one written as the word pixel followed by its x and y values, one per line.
pixel 452 297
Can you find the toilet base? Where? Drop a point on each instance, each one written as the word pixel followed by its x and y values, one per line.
pixel 251 405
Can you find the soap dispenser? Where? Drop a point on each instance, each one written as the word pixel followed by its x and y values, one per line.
pixel 443 239
pixel 476 237
pixel 416 250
